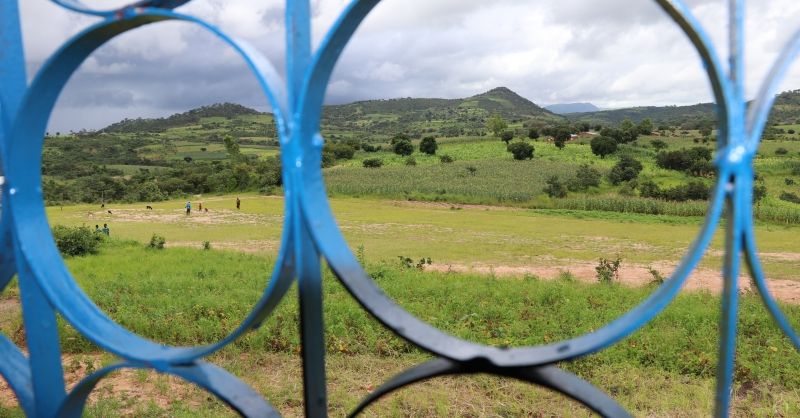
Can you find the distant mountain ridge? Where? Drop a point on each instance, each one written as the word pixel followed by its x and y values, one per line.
pixel 567 108
pixel 454 117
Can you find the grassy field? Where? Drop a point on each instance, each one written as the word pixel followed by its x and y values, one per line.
pixel 448 234
pixel 188 296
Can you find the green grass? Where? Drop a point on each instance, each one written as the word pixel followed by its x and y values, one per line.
pixel 448 234
pixel 183 296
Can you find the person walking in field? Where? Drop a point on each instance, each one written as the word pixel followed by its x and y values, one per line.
pixel 200 206
pixel 97 228
pixel 106 230
pixel 238 203
pixel 188 208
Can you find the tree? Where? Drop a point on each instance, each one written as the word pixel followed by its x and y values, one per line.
pixel 188 159
pixel 626 169
pixel 428 145
pixel 496 124
pixel 646 127
pixel 561 136
pixel 521 150
pixel 232 147
pixel 340 150
pixel 705 131
pixel 507 136
pixel 603 145
pixel 555 188
pixel 533 133
pixel 629 132
pixel 403 147
pixel 585 178
pixel 399 137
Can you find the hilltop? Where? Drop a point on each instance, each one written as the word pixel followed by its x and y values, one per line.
pixel 567 108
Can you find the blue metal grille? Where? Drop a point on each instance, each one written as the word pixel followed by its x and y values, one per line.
pixel 310 231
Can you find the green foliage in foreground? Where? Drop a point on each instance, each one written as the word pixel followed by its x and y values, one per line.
pixel 185 296
pixel 78 240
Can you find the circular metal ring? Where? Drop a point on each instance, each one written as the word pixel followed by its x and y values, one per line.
pixel 78 6
pixel 332 245
pixel 27 206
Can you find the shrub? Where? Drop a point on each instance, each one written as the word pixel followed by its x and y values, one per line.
pixel 403 147
pixel 507 136
pixel 446 159
pixel 76 241
pixel 781 151
pixel 555 188
pixel 471 169
pixel 428 145
pixel 206 245
pixel 658 144
pixel 411 161
pixel 340 151
pixel 585 178
pixel 627 168
pixel 372 163
pixel 790 197
pixel 157 242
pixel 521 150
pixel 533 133
pixel 788 181
pixel 603 145
pixel 369 148
pixel 693 160
pixel 608 270
pixel 328 159
pixel 790 131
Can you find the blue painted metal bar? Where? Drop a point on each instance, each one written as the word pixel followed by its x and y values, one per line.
pixel 310 230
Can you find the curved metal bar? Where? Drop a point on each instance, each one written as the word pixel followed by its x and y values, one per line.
pixel 25 200
pixel 334 248
pixel 758 113
pixel 346 267
pixel 550 377
pixel 79 7
pixel 720 84
pixel 418 373
pixel 15 369
pixel 225 386
pixel 759 278
pixel 572 386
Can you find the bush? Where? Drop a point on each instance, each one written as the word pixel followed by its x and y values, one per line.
pixel 76 241
pixel 340 150
pixel 603 145
pixel 694 160
pixel 411 161
pixel 370 148
pixel 533 133
pixel 585 178
pixel 790 197
pixel 206 245
pixel 445 159
pixel 788 181
pixel 781 151
pixel 403 147
pixel 555 188
pixel 157 242
pixel 626 169
pixel 521 150
pixel 372 163
pixel 507 136
pixel 428 145
pixel 658 144
pixel 608 270
pixel 328 159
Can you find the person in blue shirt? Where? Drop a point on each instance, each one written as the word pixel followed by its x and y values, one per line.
pixel 188 208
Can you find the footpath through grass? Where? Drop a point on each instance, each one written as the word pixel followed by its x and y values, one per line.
pixel 185 296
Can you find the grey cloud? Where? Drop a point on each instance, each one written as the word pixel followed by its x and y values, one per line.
pixel 612 53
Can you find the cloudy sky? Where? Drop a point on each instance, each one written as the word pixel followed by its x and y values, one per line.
pixel 613 53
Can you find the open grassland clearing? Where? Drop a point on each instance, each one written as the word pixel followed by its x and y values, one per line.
pixel 184 296
pixel 462 236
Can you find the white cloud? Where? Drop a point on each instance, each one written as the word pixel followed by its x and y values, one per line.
pixel 612 53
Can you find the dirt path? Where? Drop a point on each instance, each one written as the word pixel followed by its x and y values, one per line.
pixel 632 275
